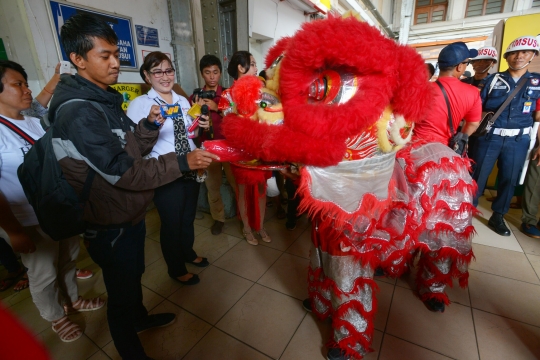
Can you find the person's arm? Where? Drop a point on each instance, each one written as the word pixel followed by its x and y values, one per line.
pixel 473 116
pixel 47 92
pixel 19 239
pixel 103 151
pixel 536 155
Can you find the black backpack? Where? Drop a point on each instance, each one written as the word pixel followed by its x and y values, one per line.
pixel 58 208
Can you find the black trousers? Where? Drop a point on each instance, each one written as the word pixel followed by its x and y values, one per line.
pixel 7 257
pixel 293 200
pixel 176 204
pixel 120 254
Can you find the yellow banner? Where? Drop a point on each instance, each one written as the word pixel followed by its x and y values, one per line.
pixel 128 91
pixel 515 27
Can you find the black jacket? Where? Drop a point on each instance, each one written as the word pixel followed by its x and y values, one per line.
pixel 114 147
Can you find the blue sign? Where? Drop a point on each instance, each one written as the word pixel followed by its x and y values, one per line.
pixel 121 25
pixel 146 36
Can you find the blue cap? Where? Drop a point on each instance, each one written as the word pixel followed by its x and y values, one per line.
pixel 454 54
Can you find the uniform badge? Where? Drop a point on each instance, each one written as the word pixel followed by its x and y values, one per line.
pixel 535 82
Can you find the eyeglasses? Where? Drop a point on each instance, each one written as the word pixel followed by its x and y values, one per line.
pixel 158 73
pixel 466 63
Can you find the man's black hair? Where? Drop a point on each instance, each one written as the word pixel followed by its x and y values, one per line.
pixel 79 30
pixel 239 58
pixel 209 60
pixel 8 64
pixel 447 68
pixel 430 69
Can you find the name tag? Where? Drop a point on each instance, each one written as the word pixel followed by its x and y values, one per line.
pixel 527 107
pixel 169 110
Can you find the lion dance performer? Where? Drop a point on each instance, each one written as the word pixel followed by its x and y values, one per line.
pixel 349 98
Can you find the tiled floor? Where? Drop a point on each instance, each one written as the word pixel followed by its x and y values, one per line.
pixel 248 304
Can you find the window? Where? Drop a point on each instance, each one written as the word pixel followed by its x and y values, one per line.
pixel 428 11
pixel 536 3
pixel 484 7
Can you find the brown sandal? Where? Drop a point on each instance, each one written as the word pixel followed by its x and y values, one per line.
pixel 248 235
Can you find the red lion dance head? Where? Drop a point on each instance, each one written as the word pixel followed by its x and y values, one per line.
pixel 339 79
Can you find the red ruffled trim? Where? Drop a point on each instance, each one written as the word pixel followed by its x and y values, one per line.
pixel 354 337
pixel 370 206
pixel 428 262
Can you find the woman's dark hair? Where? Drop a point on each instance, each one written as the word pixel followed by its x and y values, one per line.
pixel 79 30
pixel 209 60
pixel 430 68
pixel 153 59
pixel 239 58
pixel 8 64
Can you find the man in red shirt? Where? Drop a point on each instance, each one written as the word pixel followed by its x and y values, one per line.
pixel 464 99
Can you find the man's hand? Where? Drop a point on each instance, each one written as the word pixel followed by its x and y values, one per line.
pixel 155 115
pixel 21 241
pixel 211 104
pixel 200 159
pixel 536 156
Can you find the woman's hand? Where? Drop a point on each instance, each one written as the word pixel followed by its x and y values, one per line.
pixel 21 241
pixel 204 122
pixel 155 116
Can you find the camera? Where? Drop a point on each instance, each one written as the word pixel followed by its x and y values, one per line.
pixel 204 94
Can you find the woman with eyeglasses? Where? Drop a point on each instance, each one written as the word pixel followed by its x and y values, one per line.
pixel 176 202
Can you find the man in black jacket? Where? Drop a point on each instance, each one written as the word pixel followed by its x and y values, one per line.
pixel 96 134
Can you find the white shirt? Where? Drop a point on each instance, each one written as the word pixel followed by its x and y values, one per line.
pixel 139 108
pixel 12 150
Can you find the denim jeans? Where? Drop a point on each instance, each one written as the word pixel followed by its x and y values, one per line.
pixel 120 254
pixel 509 153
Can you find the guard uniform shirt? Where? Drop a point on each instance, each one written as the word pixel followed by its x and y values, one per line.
pixel 513 116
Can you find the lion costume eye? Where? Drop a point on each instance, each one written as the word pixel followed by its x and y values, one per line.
pixel 333 87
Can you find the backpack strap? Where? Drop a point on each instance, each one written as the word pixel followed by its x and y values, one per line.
pixel 450 122
pixel 17 130
pixel 85 192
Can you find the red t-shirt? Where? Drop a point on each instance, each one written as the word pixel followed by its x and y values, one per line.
pixel 465 104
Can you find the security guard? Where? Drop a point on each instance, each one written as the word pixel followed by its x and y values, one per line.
pixel 508 139
pixel 486 59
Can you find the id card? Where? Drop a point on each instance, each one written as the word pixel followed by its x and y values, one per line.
pixel 527 107
pixel 168 111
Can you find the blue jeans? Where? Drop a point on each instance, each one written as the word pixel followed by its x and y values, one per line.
pixel 510 153
pixel 120 254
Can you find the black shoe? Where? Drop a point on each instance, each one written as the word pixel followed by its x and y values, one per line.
pixel 307 305
pixel 336 354
pixel 192 281
pixel 496 223
pixel 434 305
pixel 203 263
pixel 379 272
pixel 290 225
pixel 156 320
pixel 217 228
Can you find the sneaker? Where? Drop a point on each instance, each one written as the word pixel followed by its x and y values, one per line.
pixel 217 228
pixel 156 320
pixel 434 305
pixel 306 304
pixel 337 354
pixel 290 225
pixel 530 231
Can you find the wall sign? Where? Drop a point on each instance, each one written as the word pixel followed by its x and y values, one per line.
pixel 122 26
pixel 147 36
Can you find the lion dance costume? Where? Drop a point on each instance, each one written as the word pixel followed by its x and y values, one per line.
pixel 349 100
